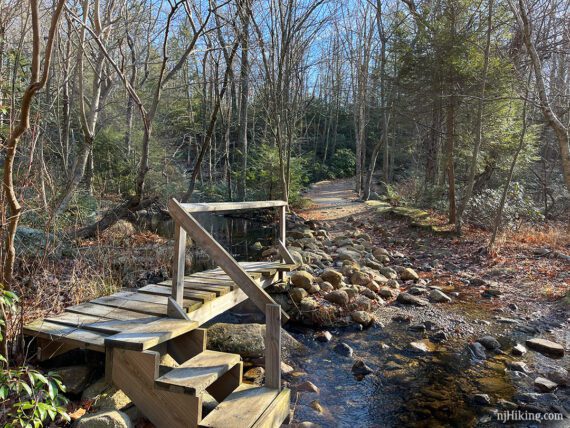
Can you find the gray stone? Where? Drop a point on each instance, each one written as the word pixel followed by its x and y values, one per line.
pixel 360 368
pixel 558 375
pixel 438 296
pixel 326 286
pixel 323 336
pixel 482 399
pixel 313 288
pixel 362 317
pixel 392 283
pixel 380 252
pixel 247 340
pixel 408 299
pixel 518 366
pixel 298 294
pixel 307 386
pixel 75 378
pixel 544 385
pixel 302 279
pixel 518 350
pixel 340 297
pixel 344 350
pixel 108 419
pixel 477 351
pixel 360 278
pixel 389 273
pixel 489 342
pixel 386 293
pixel 332 276
pixel 546 347
pixel 408 274
pixel 103 396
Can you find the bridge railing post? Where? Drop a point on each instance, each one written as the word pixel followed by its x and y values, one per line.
pixel 178 266
pixel 273 346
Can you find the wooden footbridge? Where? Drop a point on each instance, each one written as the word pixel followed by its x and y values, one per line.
pixel 136 329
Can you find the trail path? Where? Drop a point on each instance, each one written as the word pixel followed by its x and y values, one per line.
pixel 332 200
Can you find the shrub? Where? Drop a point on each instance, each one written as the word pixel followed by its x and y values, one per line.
pixel 343 163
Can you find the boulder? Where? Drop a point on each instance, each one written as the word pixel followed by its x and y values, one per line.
pixel 380 252
pixel 359 368
pixel 361 303
pixel 108 419
pixel 34 242
pixel 102 396
pixel 344 350
pixel 362 317
pixel 373 286
pixel 392 283
pixel 408 274
pixel 302 279
pixel 518 366
pixel 408 299
pixel 359 278
pixel 340 297
pixel 323 336
pixel 332 276
pixel 477 351
pixel 75 378
pixel 326 286
pixel 298 294
pixel 308 305
pixel 489 342
pixel 389 272
pixel 386 293
pixel 546 347
pixel 558 375
pixel 518 350
pixel 438 296
pixel 247 340
pixel 307 386
pixel 313 288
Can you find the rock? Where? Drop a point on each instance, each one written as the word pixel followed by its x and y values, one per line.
pixel 34 242
pixel 344 350
pixel 438 296
pixel 408 274
pixel 544 385
pixel 408 299
pixel 360 278
pixel 340 297
pixel 361 303
pixel 477 351
pixel 313 288
pixel 518 366
pixel 380 252
pixel 286 368
pixel 248 340
pixel 108 419
pixel 518 350
pixel 417 327
pixel 373 286
pixel 75 378
pixel 421 346
pixel 316 406
pixel 255 375
pixel 326 286
pixel 489 342
pixel 103 396
pixel 389 273
pixel 302 279
pixel 557 375
pixel 351 292
pixel 362 317
pixel 307 386
pixel 386 293
pixel 305 424
pixel 373 264
pixel 482 399
pixel 257 246
pixel 298 294
pixel 308 304
pixel 546 347
pixel 489 293
pixel 417 291
pixel 323 336
pixel 332 276
pixel 370 294
pixel 392 283
pixel 360 368
pixel 439 336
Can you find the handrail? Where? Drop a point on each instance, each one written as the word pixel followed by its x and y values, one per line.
pixel 231 206
pixel 184 220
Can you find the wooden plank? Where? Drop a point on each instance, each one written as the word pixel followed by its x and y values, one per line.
pixel 147 335
pixel 277 412
pixel 219 273
pixel 220 290
pixel 273 347
pixel 258 296
pixel 134 373
pixel 198 373
pixel 241 409
pixel 188 345
pixel 104 311
pixel 285 267
pixel 230 206
pixel 165 290
pixel 103 325
pixel 73 319
pixel 178 264
pixel 214 308
pixel 132 305
pixel 174 310
pixel 161 300
pixel 227 383
pixel 84 339
pixel 48 349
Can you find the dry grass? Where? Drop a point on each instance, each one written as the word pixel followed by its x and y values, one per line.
pixel 555 236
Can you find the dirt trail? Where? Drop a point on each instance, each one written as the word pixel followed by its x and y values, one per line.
pixel 333 200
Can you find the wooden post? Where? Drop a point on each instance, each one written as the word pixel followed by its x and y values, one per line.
pixel 273 346
pixel 178 263
pixel 283 224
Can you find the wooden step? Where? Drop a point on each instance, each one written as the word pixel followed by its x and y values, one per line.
pixel 146 336
pixel 165 289
pixel 198 373
pixel 250 406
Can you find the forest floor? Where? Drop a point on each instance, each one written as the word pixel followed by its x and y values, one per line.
pixel 511 296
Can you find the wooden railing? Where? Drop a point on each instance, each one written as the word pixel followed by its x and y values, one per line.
pixel 186 223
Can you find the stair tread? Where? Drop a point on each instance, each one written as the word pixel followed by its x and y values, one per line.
pixel 242 408
pixel 199 372
pixel 148 335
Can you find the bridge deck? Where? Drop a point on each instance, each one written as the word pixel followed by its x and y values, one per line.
pixel 206 295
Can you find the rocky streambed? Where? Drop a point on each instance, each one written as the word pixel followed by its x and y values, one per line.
pixel 388 343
